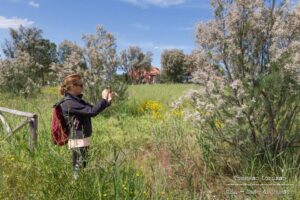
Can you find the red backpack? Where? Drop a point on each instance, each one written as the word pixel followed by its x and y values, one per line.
pixel 59 126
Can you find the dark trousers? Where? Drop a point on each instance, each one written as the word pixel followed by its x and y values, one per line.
pixel 80 156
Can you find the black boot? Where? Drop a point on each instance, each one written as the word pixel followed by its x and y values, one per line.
pixel 79 159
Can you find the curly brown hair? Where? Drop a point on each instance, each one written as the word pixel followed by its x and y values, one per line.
pixel 68 82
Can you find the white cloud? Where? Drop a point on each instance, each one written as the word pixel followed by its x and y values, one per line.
pixel 143 27
pixel 160 47
pixel 150 46
pixel 13 22
pixel 33 4
pixel 160 3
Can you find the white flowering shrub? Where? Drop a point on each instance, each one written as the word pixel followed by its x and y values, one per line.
pixel 102 60
pixel 248 75
pixel 97 62
pixel 42 51
pixel 18 75
pixel 70 60
pixel 26 65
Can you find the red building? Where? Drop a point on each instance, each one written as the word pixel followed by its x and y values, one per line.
pixel 145 76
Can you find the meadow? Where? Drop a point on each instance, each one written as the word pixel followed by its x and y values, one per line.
pixel 141 149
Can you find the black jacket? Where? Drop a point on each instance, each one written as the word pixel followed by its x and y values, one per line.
pixel 78 113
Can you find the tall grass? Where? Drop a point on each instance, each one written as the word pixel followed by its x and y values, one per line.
pixel 137 152
pixel 124 160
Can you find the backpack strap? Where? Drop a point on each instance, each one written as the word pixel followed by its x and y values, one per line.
pixel 61 101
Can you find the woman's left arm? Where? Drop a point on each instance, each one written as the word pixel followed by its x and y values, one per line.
pixel 88 110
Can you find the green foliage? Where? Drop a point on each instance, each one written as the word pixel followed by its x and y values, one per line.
pixel 102 59
pixel 32 61
pixel 248 83
pixel 42 51
pixel 172 62
pixel 19 75
pixel 126 155
pixel 133 155
pixel 27 64
pixel 134 61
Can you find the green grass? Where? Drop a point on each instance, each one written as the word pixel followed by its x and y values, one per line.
pixel 129 155
pixel 133 154
pixel 163 93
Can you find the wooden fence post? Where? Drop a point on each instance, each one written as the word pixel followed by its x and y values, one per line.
pixel 33 124
pixel 32 119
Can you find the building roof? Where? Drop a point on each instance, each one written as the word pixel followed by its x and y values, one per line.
pixel 154 71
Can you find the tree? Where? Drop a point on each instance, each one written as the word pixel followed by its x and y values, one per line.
pixel 247 67
pixel 190 64
pixel 18 75
pixel 66 48
pixel 134 60
pixel 23 39
pixel 27 64
pixel 97 62
pixel 70 60
pixel 172 62
pixel 102 60
pixel 44 54
pixel 31 41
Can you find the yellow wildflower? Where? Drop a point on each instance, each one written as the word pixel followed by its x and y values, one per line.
pixel 177 113
pixel 152 107
pixel 219 123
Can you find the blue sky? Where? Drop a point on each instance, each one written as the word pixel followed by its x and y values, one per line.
pixel 153 25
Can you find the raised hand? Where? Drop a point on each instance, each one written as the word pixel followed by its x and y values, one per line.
pixel 107 95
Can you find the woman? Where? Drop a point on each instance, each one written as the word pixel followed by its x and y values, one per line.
pixel 77 114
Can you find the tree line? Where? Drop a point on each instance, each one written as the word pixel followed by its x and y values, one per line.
pixel 31 61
